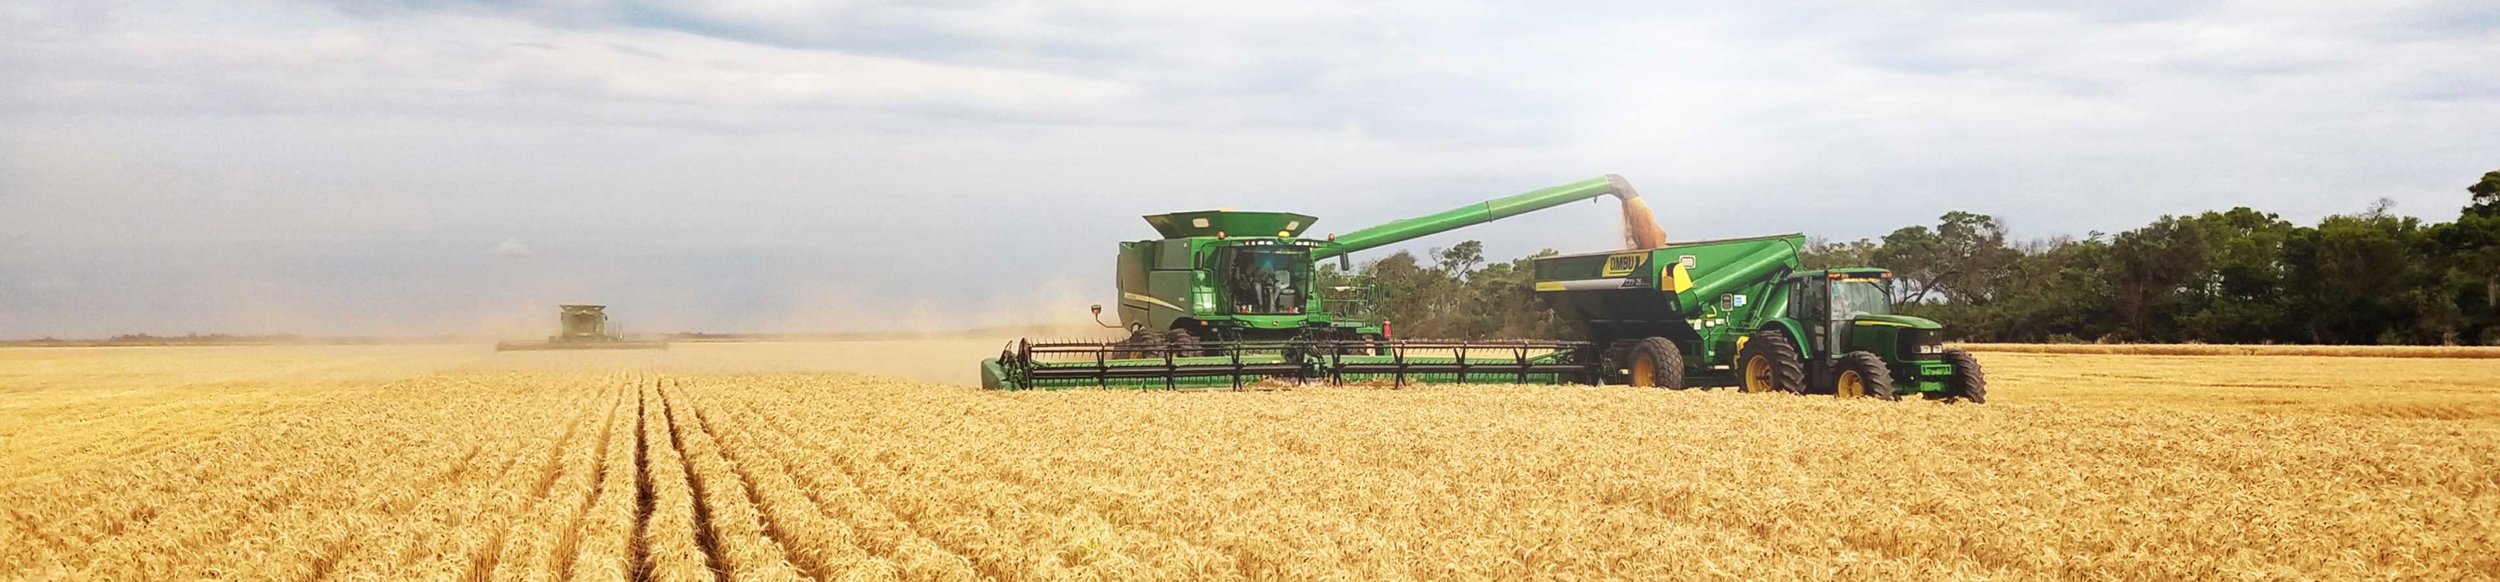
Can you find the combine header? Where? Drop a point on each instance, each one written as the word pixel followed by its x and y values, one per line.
pixel 1228 298
pixel 583 327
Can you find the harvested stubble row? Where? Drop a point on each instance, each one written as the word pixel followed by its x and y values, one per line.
pixel 659 474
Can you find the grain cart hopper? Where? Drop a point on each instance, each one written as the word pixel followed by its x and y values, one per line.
pixel 1227 296
pixel 582 327
pixel 1742 312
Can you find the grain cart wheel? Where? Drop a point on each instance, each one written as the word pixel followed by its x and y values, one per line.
pixel 1862 375
pixel 1967 383
pixel 1657 363
pixel 1769 363
pixel 1183 344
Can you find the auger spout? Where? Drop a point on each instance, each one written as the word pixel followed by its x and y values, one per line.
pixel 1404 230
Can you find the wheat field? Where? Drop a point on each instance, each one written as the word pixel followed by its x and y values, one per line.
pixel 772 462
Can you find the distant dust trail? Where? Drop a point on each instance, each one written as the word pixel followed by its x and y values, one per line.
pixel 1640 228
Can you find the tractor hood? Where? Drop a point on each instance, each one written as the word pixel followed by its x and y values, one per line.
pixel 1898 321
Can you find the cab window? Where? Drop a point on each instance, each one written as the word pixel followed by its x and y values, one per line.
pixel 1854 297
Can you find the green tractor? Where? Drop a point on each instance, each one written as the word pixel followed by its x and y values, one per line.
pixel 1743 312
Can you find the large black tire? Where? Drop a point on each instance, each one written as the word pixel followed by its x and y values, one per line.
pixel 1967 383
pixel 1140 344
pixel 1862 375
pixel 1183 344
pixel 1782 369
pixel 1655 362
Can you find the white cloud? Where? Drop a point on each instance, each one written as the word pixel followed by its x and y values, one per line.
pixel 896 144
pixel 512 247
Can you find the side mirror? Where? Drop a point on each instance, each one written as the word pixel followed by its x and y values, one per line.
pixel 1345 264
pixel 1097 309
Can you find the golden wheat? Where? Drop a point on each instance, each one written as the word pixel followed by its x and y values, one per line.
pixel 290 462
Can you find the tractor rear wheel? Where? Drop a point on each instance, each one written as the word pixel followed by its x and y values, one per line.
pixel 1862 375
pixel 1657 363
pixel 1769 363
pixel 1183 344
pixel 1967 383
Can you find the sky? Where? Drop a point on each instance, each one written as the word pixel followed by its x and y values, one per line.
pixel 401 167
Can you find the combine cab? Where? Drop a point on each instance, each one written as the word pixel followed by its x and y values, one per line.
pixel 1741 312
pixel 1226 298
pixel 583 327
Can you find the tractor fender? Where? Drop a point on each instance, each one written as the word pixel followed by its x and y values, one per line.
pixel 1787 327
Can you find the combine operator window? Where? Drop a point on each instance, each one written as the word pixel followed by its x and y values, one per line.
pixel 1267 280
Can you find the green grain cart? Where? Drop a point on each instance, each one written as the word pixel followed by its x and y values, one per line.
pixel 1743 312
pixel 1227 295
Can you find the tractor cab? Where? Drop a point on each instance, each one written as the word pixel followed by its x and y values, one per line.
pixel 1840 311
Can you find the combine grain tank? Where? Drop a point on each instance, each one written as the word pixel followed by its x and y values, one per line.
pixel 583 327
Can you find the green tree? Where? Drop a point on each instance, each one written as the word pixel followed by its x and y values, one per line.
pixel 1963 260
pixel 1502 301
pixel 2152 270
pixel 1824 254
pixel 2470 248
pixel 1460 259
pixel 2486 201
pixel 2361 278
pixel 2238 297
pixel 2240 276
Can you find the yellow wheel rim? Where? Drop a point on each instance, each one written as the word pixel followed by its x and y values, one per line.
pixel 1758 374
pixel 1851 385
pixel 1644 373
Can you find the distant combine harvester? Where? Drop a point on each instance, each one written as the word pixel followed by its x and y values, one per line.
pixel 582 327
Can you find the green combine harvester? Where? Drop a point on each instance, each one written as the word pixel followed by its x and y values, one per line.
pixel 1227 298
pixel 582 327
pixel 1743 312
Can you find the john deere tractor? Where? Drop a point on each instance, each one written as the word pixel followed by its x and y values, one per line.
pixel 1742 312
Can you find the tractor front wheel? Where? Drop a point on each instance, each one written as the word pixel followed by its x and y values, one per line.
pixel 1862 375
pixel 1657 363
pixel 1967 383
pixel 1769 363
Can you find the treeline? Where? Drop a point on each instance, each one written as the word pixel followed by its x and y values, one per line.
pixel 2236 276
